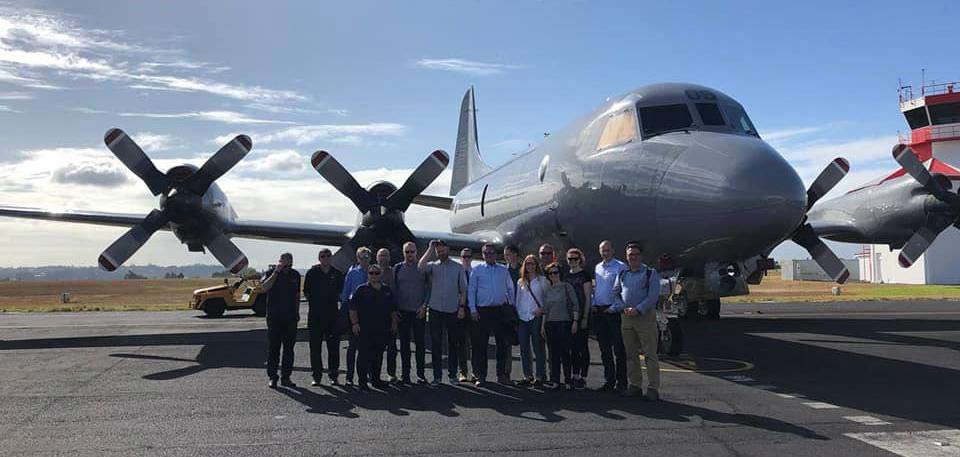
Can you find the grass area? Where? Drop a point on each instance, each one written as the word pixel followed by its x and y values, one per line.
pixel 170 294
pixel 776 289
pixel 122 295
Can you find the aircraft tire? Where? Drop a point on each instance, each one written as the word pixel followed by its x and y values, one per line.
pixel 671 339
pixel 260 306
pixel 214 307
pixel 712 309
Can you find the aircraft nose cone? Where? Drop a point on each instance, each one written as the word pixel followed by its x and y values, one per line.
pixel 731 196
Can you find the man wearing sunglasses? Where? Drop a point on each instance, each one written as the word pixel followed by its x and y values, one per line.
pixel 547 256
pixel 322 286
pixel 637 291
pixel 490 291
pixel 411 301
pixel 282 287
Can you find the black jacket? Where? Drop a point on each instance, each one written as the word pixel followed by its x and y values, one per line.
pixel 323 292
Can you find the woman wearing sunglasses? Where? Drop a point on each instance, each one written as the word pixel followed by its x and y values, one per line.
pixel 582 281
pixel 530 288
pixel 561 316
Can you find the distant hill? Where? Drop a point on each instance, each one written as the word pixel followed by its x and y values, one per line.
pixel 66 273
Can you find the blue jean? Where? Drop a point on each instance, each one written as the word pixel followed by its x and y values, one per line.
pixel 529 334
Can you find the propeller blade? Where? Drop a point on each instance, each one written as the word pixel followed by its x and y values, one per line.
pixel 422 177
pixel 227 253
pixel 342 180
pixel 922 239
pixel 821 253
pixel 828 178
pixel 134 158
pixel 128 244
pixel 221 162
pixel 345 257
pixel 909 161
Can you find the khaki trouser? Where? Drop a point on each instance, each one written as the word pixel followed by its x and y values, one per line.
pixel 640 333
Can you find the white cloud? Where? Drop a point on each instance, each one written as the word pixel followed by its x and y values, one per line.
pixel 469 67
pixel 7 109
pixel 90 173
pixel 286 161
pixel 338 133
pixel 149 141
pixel 791 132
pixel 55 48
pixel 226 117
pixel 15 96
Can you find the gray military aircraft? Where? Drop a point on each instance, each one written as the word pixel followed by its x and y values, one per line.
pixel 907 209
pixel 677 167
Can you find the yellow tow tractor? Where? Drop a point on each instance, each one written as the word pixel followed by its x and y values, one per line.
pixel 241 294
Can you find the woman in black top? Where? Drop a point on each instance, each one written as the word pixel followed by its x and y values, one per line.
pixel 372 315
pixel 582 281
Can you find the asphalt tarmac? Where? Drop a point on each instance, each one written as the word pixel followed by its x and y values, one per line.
pixel 852 379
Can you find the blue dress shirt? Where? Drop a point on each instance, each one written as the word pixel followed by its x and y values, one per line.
pixel 490 285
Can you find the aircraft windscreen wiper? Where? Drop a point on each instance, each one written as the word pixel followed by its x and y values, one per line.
pixel 663 132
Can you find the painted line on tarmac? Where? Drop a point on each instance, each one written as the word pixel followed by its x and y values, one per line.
pixel 930 443
pixel 866 420
pixel 848 313
pixel 697 365
pixel 791 395
pixel 820 405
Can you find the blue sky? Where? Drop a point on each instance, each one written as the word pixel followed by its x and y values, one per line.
pixel 379 85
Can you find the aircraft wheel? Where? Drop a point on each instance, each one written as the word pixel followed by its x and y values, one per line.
pixel 712 309
pixel 260 306
pixel 671 339
pixel 214 307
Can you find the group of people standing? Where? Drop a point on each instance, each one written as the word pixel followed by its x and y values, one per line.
pixel 547 308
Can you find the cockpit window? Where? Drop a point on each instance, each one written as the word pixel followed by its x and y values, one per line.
pixel 710 114
pixel 917 117
pixel 738 117
pixel 665 118
pixel 947 113
pixel 621 128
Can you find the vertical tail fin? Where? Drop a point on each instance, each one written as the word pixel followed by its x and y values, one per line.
pixel 467 163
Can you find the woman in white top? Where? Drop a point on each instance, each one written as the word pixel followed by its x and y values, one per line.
pixel 530 288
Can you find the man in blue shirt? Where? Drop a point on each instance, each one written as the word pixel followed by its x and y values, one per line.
pixel 491 296
pixel 637 291
pixel 606 319
pixel 356 276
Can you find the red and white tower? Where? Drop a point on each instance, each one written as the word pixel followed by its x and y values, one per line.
pixel 934 119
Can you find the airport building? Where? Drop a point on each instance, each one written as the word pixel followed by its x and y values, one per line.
pixel 809 270
pixel 934 120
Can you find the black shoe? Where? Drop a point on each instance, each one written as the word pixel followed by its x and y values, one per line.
pixel 334 382
pixel 405 380
pixel 421 378
pixel 523 382
pixel 273 383
pixel 379 384
pixel 315 383
pixel 364 387
pixel 608 387
pixel 537 382
pixel 286 382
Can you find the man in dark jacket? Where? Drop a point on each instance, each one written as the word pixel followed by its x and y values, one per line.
pixel 372 315
pixel 283 312
pixel 322 286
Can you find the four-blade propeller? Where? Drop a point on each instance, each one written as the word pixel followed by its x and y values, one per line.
pixel 382 206
pixel 944 210
pixel 805 236
pixel 181 190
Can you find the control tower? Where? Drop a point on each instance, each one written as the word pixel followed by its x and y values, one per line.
pixel 933 114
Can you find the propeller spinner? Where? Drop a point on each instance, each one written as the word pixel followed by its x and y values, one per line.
pixel 382 206
pixel 181 190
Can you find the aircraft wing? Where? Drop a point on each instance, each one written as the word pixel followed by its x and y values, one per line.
pixel 86 217
pixel 295 232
